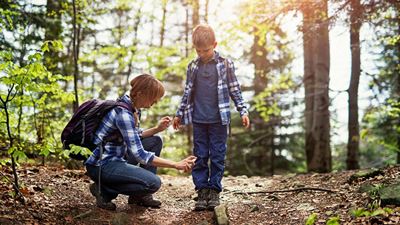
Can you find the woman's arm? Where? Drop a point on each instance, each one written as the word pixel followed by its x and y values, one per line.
pixel 162 125
pixel 185 164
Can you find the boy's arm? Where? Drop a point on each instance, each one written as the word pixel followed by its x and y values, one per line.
pixel 182 106
pixel 234 89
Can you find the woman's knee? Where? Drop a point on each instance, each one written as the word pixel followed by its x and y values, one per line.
pixel 154 183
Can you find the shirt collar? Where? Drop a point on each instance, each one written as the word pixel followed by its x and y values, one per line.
pixel 215 58
pixel 126 99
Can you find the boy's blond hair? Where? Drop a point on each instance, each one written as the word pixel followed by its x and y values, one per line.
pixel 148 85
pixel 203 36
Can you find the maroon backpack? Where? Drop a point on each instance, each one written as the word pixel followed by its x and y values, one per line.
pixel 84 123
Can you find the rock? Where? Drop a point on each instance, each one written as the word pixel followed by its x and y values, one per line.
pixel 364 174
pixel 390 195
pixel 120 219
pixel 203 222
pixel 254 208
pixel 366 188
pixel 220 215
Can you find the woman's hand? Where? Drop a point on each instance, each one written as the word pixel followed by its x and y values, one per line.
pixel 164 123
pixel 186 165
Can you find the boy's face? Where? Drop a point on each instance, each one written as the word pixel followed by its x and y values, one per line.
pixel 205 52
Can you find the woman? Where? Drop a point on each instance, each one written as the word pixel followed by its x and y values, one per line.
pixel 112 166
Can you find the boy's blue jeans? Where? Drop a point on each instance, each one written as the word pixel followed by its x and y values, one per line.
pixel 119 177
pixel 209 144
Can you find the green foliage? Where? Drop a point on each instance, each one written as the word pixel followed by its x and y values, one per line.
pixel 333 220
pixel 361 212
pixel 381 131
pixel 74 149
pixel 38 97
pixel 311 219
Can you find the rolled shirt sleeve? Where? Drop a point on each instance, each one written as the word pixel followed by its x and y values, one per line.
pixel 125 122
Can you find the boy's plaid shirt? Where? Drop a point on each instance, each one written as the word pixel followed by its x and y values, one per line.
pixel 228 86
pixel 123 120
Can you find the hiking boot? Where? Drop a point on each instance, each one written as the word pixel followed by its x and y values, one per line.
pixel 202 199
pixel 145 200
pixel 213 199
pixel 100 201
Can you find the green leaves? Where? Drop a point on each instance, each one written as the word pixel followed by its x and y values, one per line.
pixel 55 45
pixel 333 221
pixel 311 219
pixel 76 150
pixel 360 212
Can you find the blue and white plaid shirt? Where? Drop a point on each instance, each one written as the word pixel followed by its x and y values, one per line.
pixel 123 120
pixel 228 86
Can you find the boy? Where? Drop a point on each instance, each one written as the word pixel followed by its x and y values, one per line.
pixel 205 103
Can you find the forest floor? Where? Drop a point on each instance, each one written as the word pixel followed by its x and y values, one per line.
pixel 55 195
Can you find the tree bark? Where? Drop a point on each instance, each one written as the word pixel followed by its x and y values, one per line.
pixel 316 81
pixel 75 56
pixel 164 14
pixel 353 125
pixel 195 15
pixel 206 11
pixel 308 80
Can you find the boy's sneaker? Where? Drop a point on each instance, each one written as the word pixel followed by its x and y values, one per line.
pixel 100 202
pixel 145 200
pixel 213 199
pixel 202 199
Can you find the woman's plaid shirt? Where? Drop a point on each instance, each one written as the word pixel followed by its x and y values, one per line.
pixel 123 120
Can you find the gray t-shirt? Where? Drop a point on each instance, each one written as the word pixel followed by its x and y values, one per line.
pixel 206 94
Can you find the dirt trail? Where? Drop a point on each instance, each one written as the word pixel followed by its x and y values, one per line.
pixel 58 196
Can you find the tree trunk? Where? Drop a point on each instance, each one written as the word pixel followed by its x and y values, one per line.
pixel 164 14
pixel 261 69
pixel 353 126
pixel 397 80
pixel 186 32
pixel 316 81
pixel 308 80
pixel 206 11
pixel 75 56
pixel 195 15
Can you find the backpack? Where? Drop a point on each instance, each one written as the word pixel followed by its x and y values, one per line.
pixel 84 123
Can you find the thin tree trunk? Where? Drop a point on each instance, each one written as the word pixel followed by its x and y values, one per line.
pixel 195 15
pixel 187 32
pixel 353 126
pixel 75 56
pixel 397 79
pixel 206 11
pixel 261 69
pixel 164 15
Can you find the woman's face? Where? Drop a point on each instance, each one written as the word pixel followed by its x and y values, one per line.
pixel 143 102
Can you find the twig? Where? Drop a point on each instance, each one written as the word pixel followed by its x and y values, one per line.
pixel 21 196
pixel 82 215
pixel 287 190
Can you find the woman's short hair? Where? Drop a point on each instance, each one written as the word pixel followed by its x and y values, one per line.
pixel 203 36
pixel 148 85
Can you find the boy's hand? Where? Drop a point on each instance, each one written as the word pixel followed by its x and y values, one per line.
pixel 177 123
pixel 246 121
pixel 164 123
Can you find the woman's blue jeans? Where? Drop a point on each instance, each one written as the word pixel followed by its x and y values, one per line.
pixel 119 177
